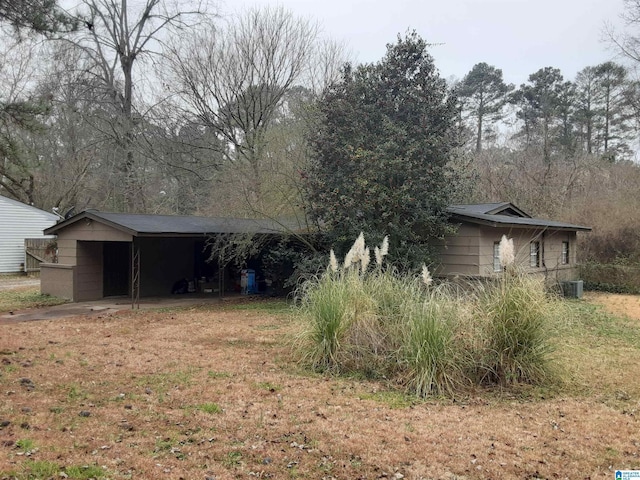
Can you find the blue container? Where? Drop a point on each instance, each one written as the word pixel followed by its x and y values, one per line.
pixel 248 282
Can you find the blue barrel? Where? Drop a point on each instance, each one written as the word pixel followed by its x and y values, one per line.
pixel 248 282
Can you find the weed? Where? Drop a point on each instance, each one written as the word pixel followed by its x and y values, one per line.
pixel 214 374
pixel 39 469
pixel 210 408
pixel 269 386
pixel 85 472
pixel 232 459
pixel 25 445
pixel 391 398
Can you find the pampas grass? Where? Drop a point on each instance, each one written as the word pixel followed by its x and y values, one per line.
pixel 434 341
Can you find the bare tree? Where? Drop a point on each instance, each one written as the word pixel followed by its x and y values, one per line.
pixel 22 113
pixel 627 42
pixel 118 38
pixel 233 81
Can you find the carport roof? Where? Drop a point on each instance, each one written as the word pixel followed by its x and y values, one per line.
pixel 141 225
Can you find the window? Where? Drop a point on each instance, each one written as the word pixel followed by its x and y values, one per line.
pixel 534 255
pixel 496 257
pixel 564 259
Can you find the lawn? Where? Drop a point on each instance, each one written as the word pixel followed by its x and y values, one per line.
pixel 214 392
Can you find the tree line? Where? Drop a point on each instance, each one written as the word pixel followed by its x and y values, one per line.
pixel 597 113
pixel 174 108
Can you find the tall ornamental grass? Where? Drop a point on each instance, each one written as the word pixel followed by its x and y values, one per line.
pixel 516 316
pixel 432 359
pixel 364 318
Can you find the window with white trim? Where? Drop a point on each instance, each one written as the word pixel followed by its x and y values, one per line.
pixel 564 259
pixel 534 255
pixel 496 257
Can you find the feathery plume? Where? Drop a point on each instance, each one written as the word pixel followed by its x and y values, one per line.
pixel 365 259
pixel 349 258
pixel 507 252
pixel 333 261
pixel 358 247
pixel 426 276
pixel 384 248
pixel 378 254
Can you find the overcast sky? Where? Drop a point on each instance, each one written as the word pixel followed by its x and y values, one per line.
pixel 518 36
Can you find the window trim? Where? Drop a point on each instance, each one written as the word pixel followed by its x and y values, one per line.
pixel 497 267
pixel 534 254
pixel 564 255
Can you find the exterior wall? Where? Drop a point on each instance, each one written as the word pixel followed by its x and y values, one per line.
pixel 57 280
pixel 85 231
pixel 80 251
pixel 163 261
pixel 459 253
pixel 89 274
pixel 470 252
pixel 17 222
pixel 550 252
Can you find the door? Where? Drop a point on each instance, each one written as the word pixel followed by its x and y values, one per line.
pixel 116 268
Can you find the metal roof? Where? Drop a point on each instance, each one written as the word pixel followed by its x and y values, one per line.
pixel 504 216
pixel 180 225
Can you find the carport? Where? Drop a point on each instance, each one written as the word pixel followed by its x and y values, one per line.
pixel 103 255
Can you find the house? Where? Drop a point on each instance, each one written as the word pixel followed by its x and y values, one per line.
pixel 117 254
pixel 18 222
pixel 545 247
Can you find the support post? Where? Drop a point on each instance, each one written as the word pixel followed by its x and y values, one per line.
pixel 135 275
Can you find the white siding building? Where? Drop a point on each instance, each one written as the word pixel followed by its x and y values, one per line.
pixel 17 222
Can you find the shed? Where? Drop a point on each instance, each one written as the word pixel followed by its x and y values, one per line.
pixel 117 254
pixel 545 247
pixel 19 221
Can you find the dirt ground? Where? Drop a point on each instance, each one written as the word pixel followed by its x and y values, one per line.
pixel 213 393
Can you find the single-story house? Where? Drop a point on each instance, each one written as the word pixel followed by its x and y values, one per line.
pixel 116 254
pixel 544 247
pixel 18 222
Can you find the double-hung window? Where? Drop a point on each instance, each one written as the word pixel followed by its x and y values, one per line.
pixel 564 258
pixel 496 257
pixel 534 254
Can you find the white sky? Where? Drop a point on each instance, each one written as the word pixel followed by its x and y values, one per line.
pixel 518 36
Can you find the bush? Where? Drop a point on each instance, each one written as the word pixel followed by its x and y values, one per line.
pixel 613 278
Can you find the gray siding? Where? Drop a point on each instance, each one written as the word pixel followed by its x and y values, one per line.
pixel 470 252
pixel 17 222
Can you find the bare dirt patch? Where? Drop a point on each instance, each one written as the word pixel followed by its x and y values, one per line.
pixel 212 392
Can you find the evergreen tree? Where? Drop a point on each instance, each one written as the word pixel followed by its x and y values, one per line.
pixel 483 94
pixel 381 154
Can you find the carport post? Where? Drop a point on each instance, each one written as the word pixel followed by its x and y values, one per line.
pixel 135 274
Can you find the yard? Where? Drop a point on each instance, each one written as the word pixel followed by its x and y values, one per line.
pixel 214 393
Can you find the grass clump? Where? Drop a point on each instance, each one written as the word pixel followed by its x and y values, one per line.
pixel 40 469
pixel 210 408
pixel 433 340
pixel 516 321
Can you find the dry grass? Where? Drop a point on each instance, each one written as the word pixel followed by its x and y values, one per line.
pixel 214 392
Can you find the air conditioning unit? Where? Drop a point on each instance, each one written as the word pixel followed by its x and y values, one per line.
pixel 573 289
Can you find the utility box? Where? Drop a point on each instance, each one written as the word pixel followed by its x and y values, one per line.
pixel 248 282
pixel 573 289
